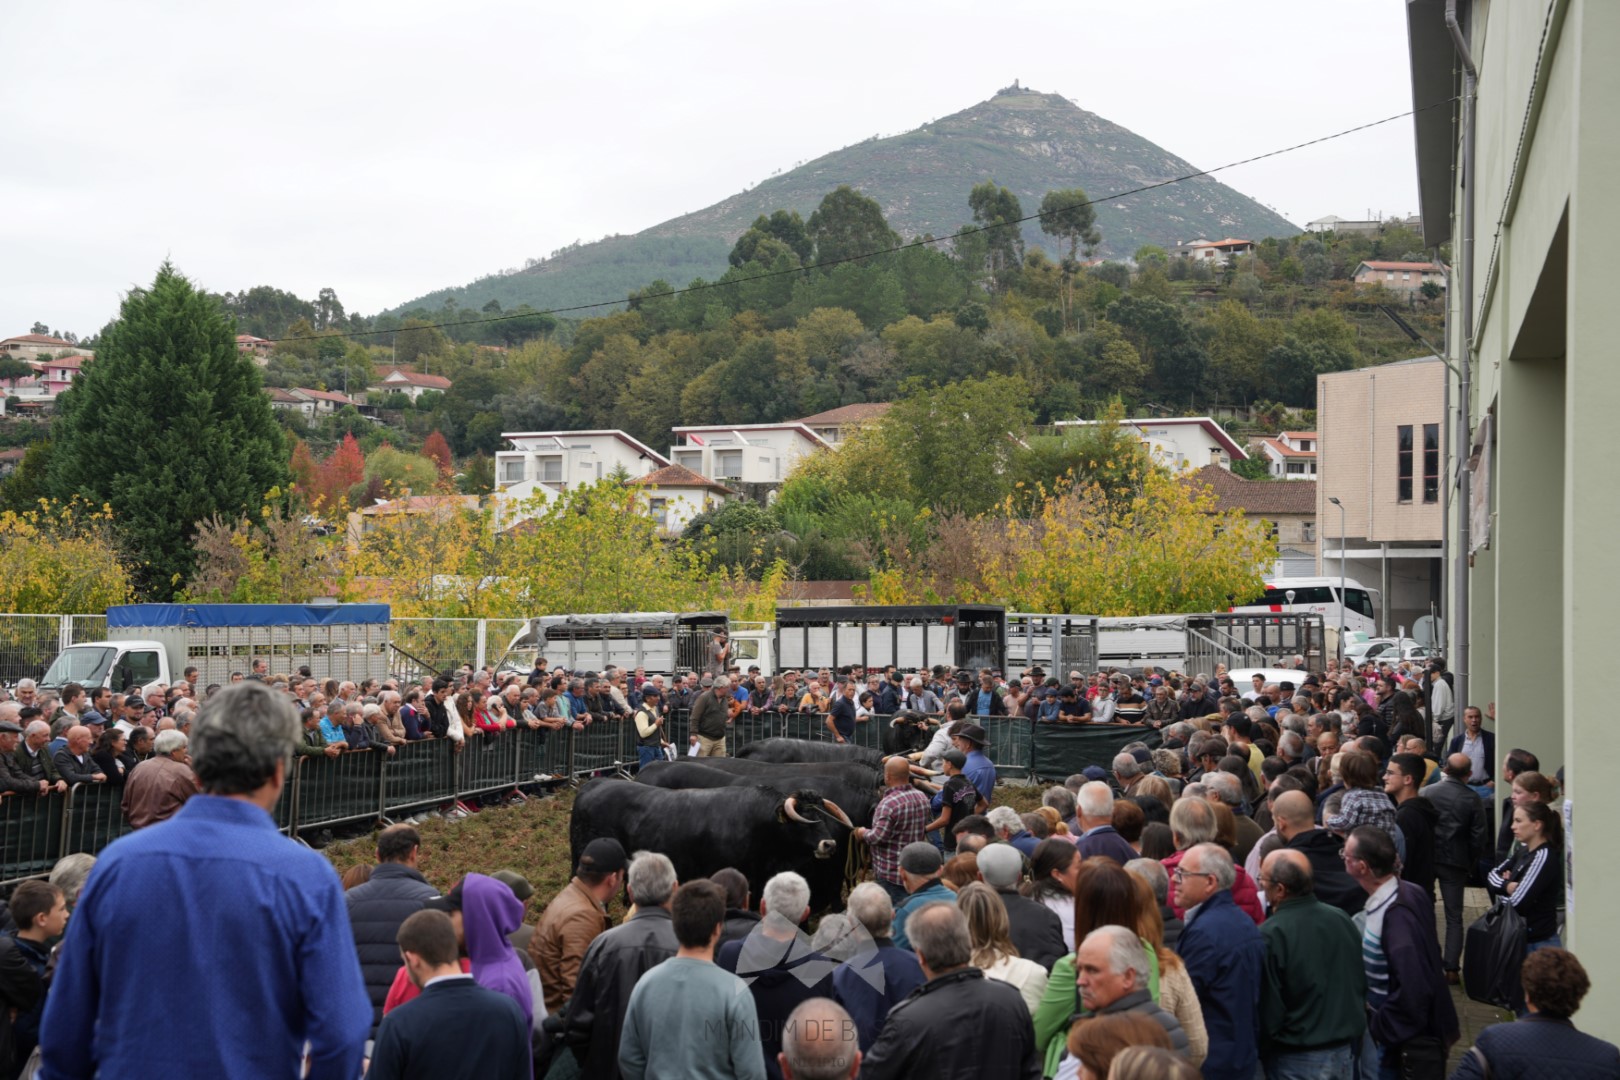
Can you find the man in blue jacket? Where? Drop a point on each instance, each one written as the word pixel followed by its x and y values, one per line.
pixel 1410 1015
pixel 1225 956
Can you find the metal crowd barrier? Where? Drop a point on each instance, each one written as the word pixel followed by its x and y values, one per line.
pixel 31 829
pixel 603 746
pixel 420 774
pixel 93 818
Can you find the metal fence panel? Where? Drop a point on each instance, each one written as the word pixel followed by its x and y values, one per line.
pixel 28 644
pixel 487 763
pixel 543 753
pixel 1011 744
pixel 419 774
pixel 604 745
pixel 95 818
pixel 30 835
pixel 332 790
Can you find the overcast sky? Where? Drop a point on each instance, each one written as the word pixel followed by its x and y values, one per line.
pixel 386 149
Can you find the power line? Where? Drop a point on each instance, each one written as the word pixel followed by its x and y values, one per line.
pixel 924 242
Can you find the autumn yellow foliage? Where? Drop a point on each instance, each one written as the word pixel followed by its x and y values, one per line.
pixel 60 559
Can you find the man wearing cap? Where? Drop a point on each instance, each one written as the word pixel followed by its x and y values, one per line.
pixel 971 740
pixel 13 778
pixel 34 758
pixel 1035 929
pixel 958 799
pixel 575 918
pixel 711 716
pixel 380 906
pixel 920 866
pixel 899 820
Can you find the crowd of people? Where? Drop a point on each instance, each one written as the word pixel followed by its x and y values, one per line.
pixel 1253 895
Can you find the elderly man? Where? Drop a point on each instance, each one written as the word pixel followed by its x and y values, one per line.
pixel 1296 824
pixel 927 1036
pixel 1111 974
pixel 13 777
pixel 1098 836
pixel 920 866
pixel 1314 990
pixel 616 961
pixel 880 975
pixel 1035 929
pixel 1225 788
pixel 820 1043
pixel 1411 1018
pixel 898 821
pixel 711 716
pixel 1128 772
pixel 781 968
pixel 1224 954
pixel 73 761
pixel 34 759
pixel 390 727
pixel 1009 826
pixel 160 787
pixel 272 908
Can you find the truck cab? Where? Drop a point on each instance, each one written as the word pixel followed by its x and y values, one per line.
pixel 113 664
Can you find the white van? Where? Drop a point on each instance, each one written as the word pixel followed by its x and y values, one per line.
pixel 1320 596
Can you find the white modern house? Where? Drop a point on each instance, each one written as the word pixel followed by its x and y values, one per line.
pixel 1291 455
pixel 547 463
pixel 675 495
pixel 413 384
pixel 745 453
pixel 1181 442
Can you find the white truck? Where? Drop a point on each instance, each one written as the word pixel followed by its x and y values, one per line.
pixel 148 644
pixel 658 642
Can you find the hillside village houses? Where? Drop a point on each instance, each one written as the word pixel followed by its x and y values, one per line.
pixel 413 384
pixel 1371 225
pixel 1215 252
pixel 1406 277
pixel 257 347
pixel 34 346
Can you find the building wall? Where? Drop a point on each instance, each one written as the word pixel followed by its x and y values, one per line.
pixel 1357 416
pixel 1544 592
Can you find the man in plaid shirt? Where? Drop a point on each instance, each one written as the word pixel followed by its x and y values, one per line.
pixel 900 818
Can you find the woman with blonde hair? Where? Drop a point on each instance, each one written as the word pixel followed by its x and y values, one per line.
pixel 1055 820
pixel 1156 786
pixel 993 950
pixel 1150 1063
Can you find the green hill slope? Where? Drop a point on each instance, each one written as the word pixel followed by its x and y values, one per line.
pixel 1029 142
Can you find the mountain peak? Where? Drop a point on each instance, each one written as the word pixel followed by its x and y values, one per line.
pixel 1026 140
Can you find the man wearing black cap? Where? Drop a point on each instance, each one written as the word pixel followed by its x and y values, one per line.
pixel 920 865
pixel 12 776
pixel 575 918
pixel 649 721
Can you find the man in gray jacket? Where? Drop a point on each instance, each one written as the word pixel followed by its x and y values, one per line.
pixel 1460 837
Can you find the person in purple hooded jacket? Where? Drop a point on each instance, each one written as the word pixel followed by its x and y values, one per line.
pixel 484 911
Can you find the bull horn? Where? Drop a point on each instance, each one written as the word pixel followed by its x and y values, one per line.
pixel 792 811
pixel 832 808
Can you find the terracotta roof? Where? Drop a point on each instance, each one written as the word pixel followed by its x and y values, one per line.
pixel 249 339
pixel 1261 497
pixel 1299 434
pixel 14 454
pixel 679 476
pixel 415 378
pixel 1228 242
pixel 847 414
pixel 285 397
pixel 35 339
pixel 1277 446
pixel 72 363
pixel 1433 268
pixel 325 395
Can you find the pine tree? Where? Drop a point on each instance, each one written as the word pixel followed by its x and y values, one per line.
pixel 169 426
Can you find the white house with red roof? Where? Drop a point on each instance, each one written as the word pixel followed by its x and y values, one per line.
pixel 322 402
pixel 413 384
pixel 675 495
pixel 834 424
pixel 745 453
pixel 1407 277
pixel 1181 442
pixel 1214 252
pixel 1291 455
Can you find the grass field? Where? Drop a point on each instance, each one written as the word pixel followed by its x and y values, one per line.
pixel 531 839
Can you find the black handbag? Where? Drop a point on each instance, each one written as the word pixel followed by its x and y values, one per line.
pixel 1493 953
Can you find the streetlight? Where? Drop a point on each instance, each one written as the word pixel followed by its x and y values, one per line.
pixel 1343 598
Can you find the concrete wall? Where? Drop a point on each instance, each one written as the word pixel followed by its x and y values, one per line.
pixel 1357 414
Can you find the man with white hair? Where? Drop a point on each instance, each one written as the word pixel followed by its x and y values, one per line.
pixel 1111 974
pixel 777 962
pixel 1225 788
pixel 13 778
pixel 880 975
pixel 616 960
pixel 1225 957
pixel 1096 816
pixel 920 699
pixel 33 757
pixel 161 785
pixel 1128 771
pixel 1009 826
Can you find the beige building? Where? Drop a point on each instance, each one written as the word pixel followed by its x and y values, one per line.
pixel 1401 277
pixel 1379 453
pixel 1289 510
pixel 1533 230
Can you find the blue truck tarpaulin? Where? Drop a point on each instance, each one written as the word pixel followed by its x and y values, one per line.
pixel 210 615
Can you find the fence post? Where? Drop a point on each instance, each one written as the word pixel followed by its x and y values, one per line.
pixel 64 632
pixel 482 647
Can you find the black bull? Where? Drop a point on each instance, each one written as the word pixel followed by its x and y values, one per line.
pixel 853 786
pixel 756 829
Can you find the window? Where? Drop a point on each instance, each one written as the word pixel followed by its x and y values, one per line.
pixel 730 464
pixel 1389 275
pixel 1431 463
pixel 1403 463
pixel 512 471
pixel 550 468
pixel 1406 275
pixel 659 509
pixel 1309 532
